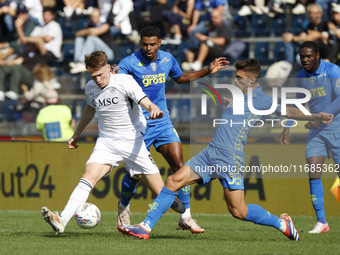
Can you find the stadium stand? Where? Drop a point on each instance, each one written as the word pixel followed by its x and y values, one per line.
pixel 259 35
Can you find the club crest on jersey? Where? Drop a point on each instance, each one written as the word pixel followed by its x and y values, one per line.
pixel 338 83
pixel 153 67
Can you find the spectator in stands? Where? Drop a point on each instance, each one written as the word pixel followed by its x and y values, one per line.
pixel 147 13
pixel 44 79
pixel 32 7
pixel 47 39
pixel 177 20
pixel 76 7
pixel 95 37
pixel 118 17
pixel 316 31
pixel 55 120
pixel 198 26
pixel 18 70
pixel 212 44
pixel 334 34
pixel 7 15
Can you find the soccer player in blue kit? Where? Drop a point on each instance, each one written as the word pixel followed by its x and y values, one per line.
pixel 322 79
pixel 227 149
pixel 150 67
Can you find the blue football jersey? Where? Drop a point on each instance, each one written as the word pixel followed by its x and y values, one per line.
pixel 151 76
pixel 232 136
pixel 324 86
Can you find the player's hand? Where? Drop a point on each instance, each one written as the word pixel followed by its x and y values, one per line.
pixel 287 37
pixel 114 69
pixel 227 100
pixel 157 114
pixel 284 136
pixel 218 64
pixel 312 124
pixel 326 118
pixel 72 143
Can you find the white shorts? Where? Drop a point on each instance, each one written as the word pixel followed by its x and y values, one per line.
pixel 131 152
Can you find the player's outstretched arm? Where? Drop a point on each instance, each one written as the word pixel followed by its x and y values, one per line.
pixel 214 67
pixel 155 112
pixel 85 119
pixel 326 118
pixel 218 64
pixel 284 136
pixel 297 114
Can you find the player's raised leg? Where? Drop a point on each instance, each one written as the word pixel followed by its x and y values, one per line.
pixel 162 203
pixel 93 173
pixel 256 214
pixel 173 153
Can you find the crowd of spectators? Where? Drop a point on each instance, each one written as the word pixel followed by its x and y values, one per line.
pixel 36 32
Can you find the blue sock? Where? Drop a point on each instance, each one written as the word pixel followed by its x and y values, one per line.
pixel 258 215
pixel 317 195
pixel 184 196
pixel 160 205
pixel 128 190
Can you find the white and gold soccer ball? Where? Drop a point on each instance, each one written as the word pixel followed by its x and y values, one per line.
pixel 87 215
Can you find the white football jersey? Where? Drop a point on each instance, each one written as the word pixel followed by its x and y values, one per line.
pixel 117 106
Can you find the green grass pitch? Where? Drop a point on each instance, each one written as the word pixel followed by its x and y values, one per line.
pixel 25 232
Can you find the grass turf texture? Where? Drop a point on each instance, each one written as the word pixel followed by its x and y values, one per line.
pixel 25 232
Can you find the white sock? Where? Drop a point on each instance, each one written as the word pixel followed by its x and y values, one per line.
pixel 283 226
pixel 77 198
pixel 145 225
pixel 123 206
pixel 186 214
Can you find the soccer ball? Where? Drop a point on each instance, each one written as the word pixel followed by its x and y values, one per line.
pixel 87 215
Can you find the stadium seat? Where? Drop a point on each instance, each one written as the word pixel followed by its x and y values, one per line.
pixel 298 23
pixel 243 26
pixel 234 4
pixel 259 25
pixel 184 110
pixel 245 53
pixel 68 52
pixel 262 53
pixel 278 25
pixel 125 49
pixel 82 22
pixel 67 55
pixel 279 51
pixel 169 48
pixel 235 50
pixel 68 27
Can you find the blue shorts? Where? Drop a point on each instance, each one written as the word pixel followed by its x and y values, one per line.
pixel 212 163
pixel 323 144
pixel 176 19
pixel 160 134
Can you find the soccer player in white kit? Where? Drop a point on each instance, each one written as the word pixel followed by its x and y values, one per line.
pixel 115 99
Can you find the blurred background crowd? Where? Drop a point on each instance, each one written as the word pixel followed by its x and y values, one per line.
pixel 43 42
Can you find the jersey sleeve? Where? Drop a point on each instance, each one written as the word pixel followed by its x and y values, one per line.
pixel 87 89
pixel 176 70
pixel 335 79
pixel 124 66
